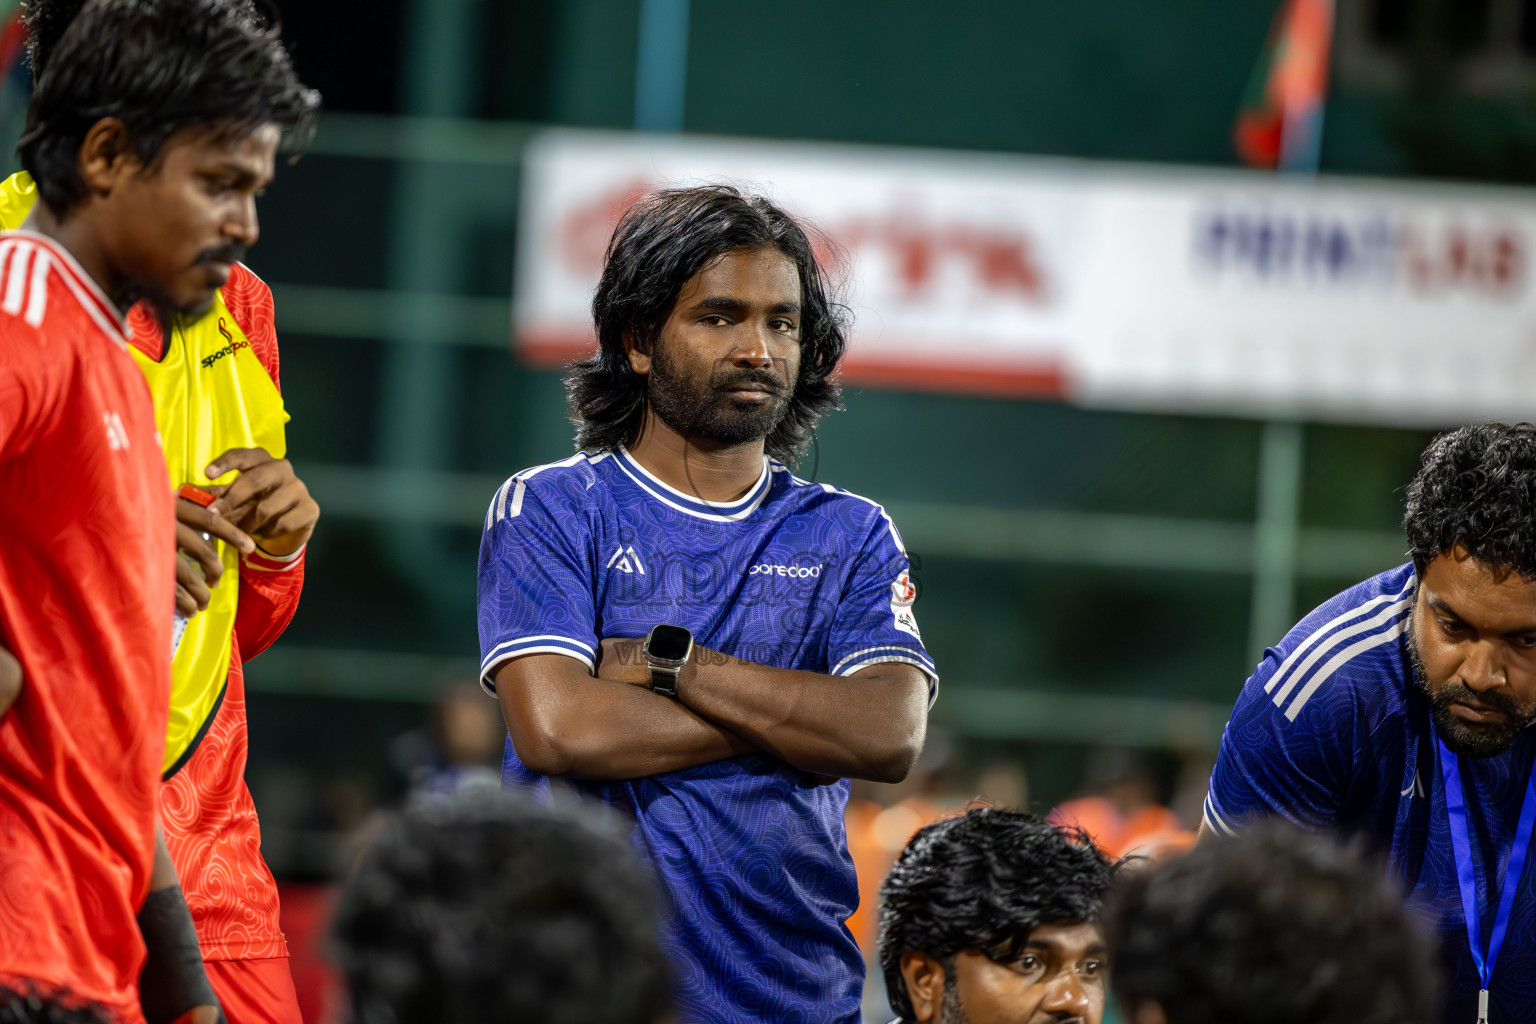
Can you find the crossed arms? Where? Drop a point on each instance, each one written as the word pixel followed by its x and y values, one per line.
pixel 869 725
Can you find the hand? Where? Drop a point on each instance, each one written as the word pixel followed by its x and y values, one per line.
pixel 193 524
pixel 10 680
pixel 266 500
pixel 622 659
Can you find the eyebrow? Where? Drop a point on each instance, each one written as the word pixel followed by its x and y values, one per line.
pixel 725 302
pixel 1440 605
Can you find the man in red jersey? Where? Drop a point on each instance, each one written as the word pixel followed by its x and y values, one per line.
pixel 148 138
pixel 214 383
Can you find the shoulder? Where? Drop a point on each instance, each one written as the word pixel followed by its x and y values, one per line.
pixel 249 301
pixel 553 489
pixel 1351 647
pixel 852 513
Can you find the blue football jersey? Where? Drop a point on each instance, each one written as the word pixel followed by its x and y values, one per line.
pixel 1331 732
pixel 795 575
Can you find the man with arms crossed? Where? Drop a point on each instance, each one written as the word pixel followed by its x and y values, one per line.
pixel 1397 712
pixel 214 381
pixel 750 633
pixel 993 918
pixel 147 141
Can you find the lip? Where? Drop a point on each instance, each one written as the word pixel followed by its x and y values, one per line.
pixel 752 393
pixel 1476 713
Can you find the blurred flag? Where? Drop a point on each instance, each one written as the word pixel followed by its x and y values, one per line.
pixel 13 37
pixel 1280 123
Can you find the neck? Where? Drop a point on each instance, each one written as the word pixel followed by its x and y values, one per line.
pixel 78 237
pixel 701 467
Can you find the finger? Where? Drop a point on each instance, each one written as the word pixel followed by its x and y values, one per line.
pixel 186 604
pixel 192 545
pixel 190 580
pixel 205 520
pixel 251 486
pixel 299 519
pixel 264 516
pixel 237 459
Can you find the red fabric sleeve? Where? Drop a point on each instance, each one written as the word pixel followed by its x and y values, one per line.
pixel 34 378
pixel 250 302
pixel 269 595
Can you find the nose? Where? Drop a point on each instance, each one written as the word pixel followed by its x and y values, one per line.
pixel 754 351
pixel 1065 997
pixel 1481 670
pixel 242 226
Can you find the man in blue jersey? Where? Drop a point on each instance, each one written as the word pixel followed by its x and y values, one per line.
pixel 1397 713
pixel 676 624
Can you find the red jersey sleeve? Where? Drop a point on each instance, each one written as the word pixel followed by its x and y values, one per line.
pixel 269 595
pixel 250 302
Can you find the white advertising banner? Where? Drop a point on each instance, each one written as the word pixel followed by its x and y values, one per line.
pixel 1233 292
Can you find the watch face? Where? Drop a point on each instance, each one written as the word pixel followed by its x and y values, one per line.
pixel 669 643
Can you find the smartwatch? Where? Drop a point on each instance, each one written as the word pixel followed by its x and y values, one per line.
pixel 667 649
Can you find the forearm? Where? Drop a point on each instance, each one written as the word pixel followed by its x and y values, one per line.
pixel 603 730
pixel 866 726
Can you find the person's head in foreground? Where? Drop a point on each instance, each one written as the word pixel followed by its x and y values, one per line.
pixel 1273 926
pixel 488 907
pixel 1471 526
pixel 714 323
pixel 153 126
pixel 993 918
pixel 27 1004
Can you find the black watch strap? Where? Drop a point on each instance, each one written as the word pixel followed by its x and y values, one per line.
pixel 664 681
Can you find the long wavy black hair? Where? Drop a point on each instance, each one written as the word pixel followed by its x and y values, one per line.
pixel 659 244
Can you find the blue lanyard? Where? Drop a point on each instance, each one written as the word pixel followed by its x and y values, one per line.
pixel 1461 848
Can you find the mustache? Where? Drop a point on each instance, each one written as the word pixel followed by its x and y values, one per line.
pixel 231 253
pixel 1459 693
pixel 764 378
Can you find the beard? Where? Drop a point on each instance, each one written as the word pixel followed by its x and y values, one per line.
pixel 950 1010
pixel 706 409
pixel 1460 737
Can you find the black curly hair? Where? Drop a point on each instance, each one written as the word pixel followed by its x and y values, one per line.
pixel 984 881
pixel 46 20
pixel 1273 926
pixel 1476 488
pixel 660 243
pixel 160 67
pixel 37 1004
pixel 486 906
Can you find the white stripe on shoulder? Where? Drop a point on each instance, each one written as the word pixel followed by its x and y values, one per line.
pixel 1214 821
pixel 1358 647
pixel 37 290
pixel 501 508
pixel 16 279
pixel 1324 631
pixel 1382 618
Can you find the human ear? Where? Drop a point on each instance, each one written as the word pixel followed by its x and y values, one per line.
pixel 639 359
pixel 105 155
pixel 924 978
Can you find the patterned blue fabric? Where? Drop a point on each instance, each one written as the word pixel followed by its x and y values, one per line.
pixel 795 575
pixel 1332 732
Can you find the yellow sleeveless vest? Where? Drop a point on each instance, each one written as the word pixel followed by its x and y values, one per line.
pixel 211 394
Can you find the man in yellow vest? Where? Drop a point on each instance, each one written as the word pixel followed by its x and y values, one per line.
pixel 242 534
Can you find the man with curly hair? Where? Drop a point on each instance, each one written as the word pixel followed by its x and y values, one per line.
pixel 993 918
pixel 1274 926
pixel 1397 712
pixel 676 624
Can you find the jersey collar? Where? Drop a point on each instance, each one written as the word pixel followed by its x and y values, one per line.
pixel 716 511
